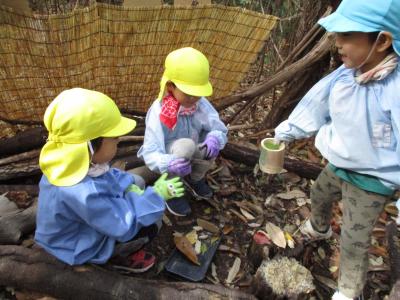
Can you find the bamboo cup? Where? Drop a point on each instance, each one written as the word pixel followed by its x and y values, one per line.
pixel 271 156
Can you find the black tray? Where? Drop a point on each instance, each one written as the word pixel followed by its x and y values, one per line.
pixel 178 264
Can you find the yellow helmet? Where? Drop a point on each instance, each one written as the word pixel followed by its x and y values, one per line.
pixel 189 70
pixel 73 118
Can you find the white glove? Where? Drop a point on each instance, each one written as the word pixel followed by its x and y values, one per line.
pixel 398 213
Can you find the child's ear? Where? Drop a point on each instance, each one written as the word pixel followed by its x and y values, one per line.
pixel 385 41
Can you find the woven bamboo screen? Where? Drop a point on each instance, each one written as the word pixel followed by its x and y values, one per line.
pixel 119 51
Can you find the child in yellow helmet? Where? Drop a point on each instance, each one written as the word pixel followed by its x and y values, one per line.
pixel 87 211
pixel 184 133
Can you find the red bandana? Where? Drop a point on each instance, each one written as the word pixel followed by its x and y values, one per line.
pixel 170 109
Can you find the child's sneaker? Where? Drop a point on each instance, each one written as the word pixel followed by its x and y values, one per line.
pixel 308 230
pixel 178 206
pixel 199 188
pixel 339 296
pixel 138 262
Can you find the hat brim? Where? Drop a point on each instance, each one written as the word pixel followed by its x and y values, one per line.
pixel 124 126
pixel 75 162
pixel 339 23
pixel 195 90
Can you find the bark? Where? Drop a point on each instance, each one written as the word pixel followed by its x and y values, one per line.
pixel 24 141
pixel 35 270
pixel 250 157
pixel 15 225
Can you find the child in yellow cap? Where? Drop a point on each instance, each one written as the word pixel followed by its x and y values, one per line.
pixel 184 133
pixel 87 211
pixel 355 114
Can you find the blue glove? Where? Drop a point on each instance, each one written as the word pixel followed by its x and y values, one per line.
pixel 212 144
pixel 180 167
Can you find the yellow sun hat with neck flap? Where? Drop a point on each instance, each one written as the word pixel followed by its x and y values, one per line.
pixel 73 118
pixel 189 70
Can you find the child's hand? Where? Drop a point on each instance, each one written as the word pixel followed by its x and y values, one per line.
pixel 180 167
pixel 134 188
pixel 212 144
pixel 169 188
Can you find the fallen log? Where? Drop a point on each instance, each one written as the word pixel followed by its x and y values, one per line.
pixel 56 279
pixel 250 157
pixel 23 141
pixel 14 225
pixel 28 165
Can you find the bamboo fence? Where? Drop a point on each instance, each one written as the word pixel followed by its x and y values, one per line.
pixel 119 51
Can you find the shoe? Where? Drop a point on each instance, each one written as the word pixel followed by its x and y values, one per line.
pixel 138 262
pixel 339 296
pixel 178 206
pixel 308 230
pixel 199 188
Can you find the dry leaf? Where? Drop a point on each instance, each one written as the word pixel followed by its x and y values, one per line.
pixel 289 240
pixel 246 214
pixel 207 225
pixel 261 238
pixel 234 270
pixel 214 272
pixel 183 245
pixel 166 220
pixel 391 209
pixel 192 237
pixel 326 281
pixel 292 195
pixel 227 229
pixel 276 234
pixel 197 247
pixel 312 156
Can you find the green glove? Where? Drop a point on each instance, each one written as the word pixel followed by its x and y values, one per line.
pixel 169 188
pixel 134 188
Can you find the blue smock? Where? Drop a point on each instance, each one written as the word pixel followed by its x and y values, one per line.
pixel 157 138
pixel 356 125
pixel 81 223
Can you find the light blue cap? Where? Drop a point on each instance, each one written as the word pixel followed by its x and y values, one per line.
pixel 366 16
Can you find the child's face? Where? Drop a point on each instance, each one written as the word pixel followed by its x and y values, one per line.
pixel 354 48
pixel 107 150
pixel 184 99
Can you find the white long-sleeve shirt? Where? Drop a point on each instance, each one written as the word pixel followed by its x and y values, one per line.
pixel 356 125
pixel 204 121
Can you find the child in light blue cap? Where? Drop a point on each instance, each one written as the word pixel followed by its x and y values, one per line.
pixel 355 114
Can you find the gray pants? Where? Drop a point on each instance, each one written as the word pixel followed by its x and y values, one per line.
pixel 361 209
pixel 181 148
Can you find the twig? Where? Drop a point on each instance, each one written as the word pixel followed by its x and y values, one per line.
pixel 239 127
pixel 20 157
pixel 131 138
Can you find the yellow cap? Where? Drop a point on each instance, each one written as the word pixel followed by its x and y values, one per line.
pixel 189 70
pixel 73 118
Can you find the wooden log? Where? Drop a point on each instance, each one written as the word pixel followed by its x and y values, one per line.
pixel 14 226
pixel 250 157
pixel 30 167
pixel 35 138
pixel 56 279
pixel 24 141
